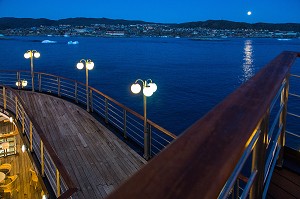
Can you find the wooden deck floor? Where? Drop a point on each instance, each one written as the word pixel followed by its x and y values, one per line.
pixel 21 163
pixel 285 184
pixel 95 158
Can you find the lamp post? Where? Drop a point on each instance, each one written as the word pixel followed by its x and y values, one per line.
pixel 30 54
pixel 89 65
pixel 148 89
pixel 21 83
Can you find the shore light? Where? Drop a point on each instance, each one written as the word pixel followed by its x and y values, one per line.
pixel 31 54
pixel 148 90
pixel 89 65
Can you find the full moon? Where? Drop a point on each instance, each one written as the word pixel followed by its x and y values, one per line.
pixel 249 13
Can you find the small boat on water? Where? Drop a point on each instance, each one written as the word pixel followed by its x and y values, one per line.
pixel 73 42
pixel 48 42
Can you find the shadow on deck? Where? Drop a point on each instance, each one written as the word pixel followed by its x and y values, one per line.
pixel 95 158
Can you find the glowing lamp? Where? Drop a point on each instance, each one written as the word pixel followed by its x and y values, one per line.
pixel 147 91
pixel 10 119
pixel 23 148
pixel 90 65
pixel 36 54
pixel 27 55
pixel 153 87
pixel 80 65
pixel 135 88
pixel 24 83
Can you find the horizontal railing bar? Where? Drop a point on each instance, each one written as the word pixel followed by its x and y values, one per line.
pixel 238 168
pixel 293 134
pixel 249 184
pixel 295 95
pixel 293 75
pixel 277 96
pixel 292 114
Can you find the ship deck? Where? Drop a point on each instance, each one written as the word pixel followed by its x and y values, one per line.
pixel 95 158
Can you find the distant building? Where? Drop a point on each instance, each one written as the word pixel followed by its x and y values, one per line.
pixel 115 33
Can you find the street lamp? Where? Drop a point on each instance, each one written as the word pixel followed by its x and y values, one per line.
pixel 89 65
pixel 148 89
pixel 21 83
pixel 30 54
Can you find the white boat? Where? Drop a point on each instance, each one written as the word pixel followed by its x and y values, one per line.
pixel 73 42
pixel 48 42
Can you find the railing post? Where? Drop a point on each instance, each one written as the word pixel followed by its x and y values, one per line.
pixel 40 82
pixel 259 158
pixel 91 100
pixel 42 159
pixel 16 100
pixel 282 121
pixel 75 92
pixel 58 87
pixel 125 123
pixel 4 98
pixel 57 183
pixel 18 80
pixel 106 110
pixel 30 135
pixel 23 121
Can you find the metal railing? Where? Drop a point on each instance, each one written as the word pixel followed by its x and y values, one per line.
pixel 50 164
pixel 241 138
pixel 129 122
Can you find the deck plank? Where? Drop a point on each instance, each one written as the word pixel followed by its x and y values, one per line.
pixel 95 158
pixel 284 184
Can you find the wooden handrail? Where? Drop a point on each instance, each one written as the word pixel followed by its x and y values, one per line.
pixel 58 163
pixel 198 163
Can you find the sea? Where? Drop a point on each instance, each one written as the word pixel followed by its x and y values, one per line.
pixel 192 76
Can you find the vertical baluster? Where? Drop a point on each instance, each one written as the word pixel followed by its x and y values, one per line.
pixel 40 82
pixel 150 139
pixel 18 80
pixel 58 87
pixel 125 123
pixel 75 92
pixel 57 183
pixel 106 110
pixel 259 158
pixel 30 135
pixel 23 121
pixel 42 159
pixel 4 98
pixel 282 120
pixel 91 100
pixel 16 100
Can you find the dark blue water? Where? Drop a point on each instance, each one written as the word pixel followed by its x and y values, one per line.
pixel 192 76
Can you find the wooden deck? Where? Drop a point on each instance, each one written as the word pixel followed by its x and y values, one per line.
pixel 285 184
pixel 95 158
pixel 21 163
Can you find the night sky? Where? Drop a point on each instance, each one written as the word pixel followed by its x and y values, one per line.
pixel 165 11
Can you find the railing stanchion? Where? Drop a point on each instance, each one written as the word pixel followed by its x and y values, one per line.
pixel 18 80
pixel 91 100
pixel 40 82
pixel 75 92
pixel 42 160
pixel 57 182
pixel 259 158
pixel 58 87
pixel 23 121
pixel 16 100
pixel 4 98
pixel 125 121
pixel 106 110
pixel 282 120
pixel 30 135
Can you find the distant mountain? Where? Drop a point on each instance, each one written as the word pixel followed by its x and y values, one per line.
pixel 10 22
pixel 223 24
